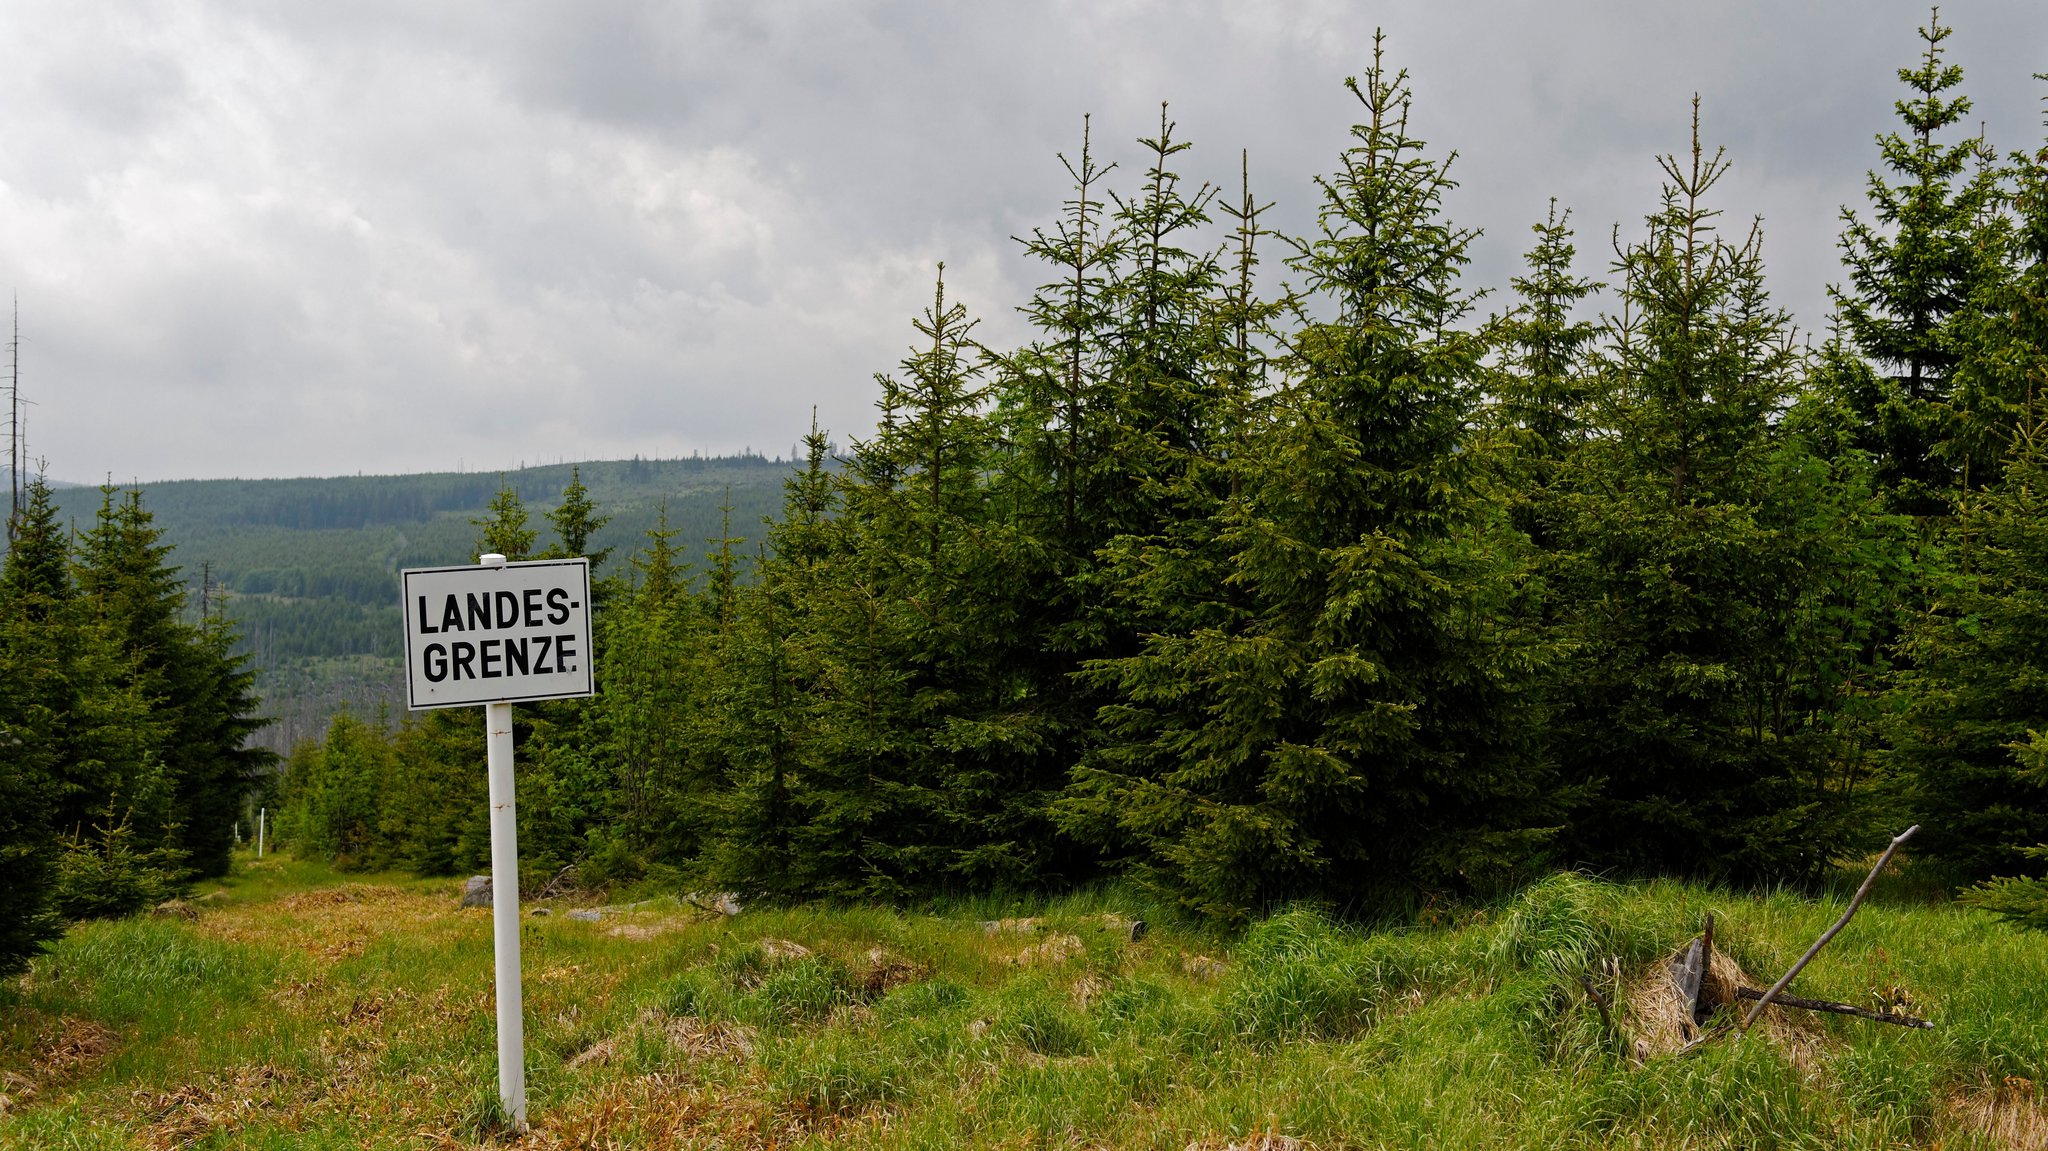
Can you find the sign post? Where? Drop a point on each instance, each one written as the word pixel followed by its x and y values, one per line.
pixel 505 915
pixel 492 634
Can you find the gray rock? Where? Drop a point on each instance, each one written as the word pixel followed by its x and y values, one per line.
pixel 476 892
pixel 587 915
pixel 722 902
pixel 1010 926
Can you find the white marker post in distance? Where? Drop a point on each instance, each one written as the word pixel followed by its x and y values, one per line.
pixel 492 634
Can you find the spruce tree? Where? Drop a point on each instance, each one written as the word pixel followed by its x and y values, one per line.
pixel 653 661
pixel 1055 391
pixel 1928 245
pixel 34 587
pixel 1721 582
pixel 2001 338
pixel 1360 735
pixel 575 521
pixel 503 528
pixel 766 689
pixel 201 694
pixel 1976 718
pixel 1543 386
pixel 1169 577
pixel 1166 404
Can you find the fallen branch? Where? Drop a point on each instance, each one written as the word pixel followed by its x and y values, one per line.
pixel 1783 1000
pixel 1705 1038
pixel 1599 1001
pixel 1765 999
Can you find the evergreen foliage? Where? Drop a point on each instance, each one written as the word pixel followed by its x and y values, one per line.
pixel 1354 729
pixel 575 521
pixel 1720 580
pixel 34 587
pixel 123 728
pixel 502 529
pixel 1931 243
pixel 1972 732
pixel 1253 591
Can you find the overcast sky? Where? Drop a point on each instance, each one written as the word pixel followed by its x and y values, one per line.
pixel 267 239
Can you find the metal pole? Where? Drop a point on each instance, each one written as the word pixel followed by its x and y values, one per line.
pixel 505 906
pixel 262 825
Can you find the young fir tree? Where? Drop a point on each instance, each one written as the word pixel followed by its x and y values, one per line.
pixel 2001 338
pixel 1164 405
pixel 99 733
pixel 1361 731
pixel 1544 381
pixel 337 793
pixel 503 528
pixel 567 809
pixel 765 689
pixel 200 694
pixel 34 589
pixel 1721 582
pixel 926 759
pixel 1054 393
pixel 648 716
pixel 1928 246
pixel 436 818
pixel 1169 577
pixel 575 522
pixel 1975 728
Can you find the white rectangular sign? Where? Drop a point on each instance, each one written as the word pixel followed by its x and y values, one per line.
pixel 504 634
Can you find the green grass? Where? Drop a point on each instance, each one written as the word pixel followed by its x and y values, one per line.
pixel 301 1010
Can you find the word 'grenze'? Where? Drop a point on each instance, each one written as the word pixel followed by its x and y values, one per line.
pixel 484 634
pixel 498 657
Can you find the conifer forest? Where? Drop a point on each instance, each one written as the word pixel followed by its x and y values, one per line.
pixel 1270 568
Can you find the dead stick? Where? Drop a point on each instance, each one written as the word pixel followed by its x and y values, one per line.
pixel 1707 950
pixel 1784 1000
pixel 1706 1037
pixel 1764 1000
pixel 1599 1001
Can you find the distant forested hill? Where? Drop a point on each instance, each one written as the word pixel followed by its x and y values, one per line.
pixel 310 566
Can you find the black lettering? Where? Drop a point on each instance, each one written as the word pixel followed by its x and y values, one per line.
pixel 487 655
pixel 434 661
pixel 425 627
pixel 479 611
pixel 515 656
pixel 532 605
pixel 564 652
pixel 540 662
pixel 451 614
pixel 463 655
pixel 558 603
pixel 508 609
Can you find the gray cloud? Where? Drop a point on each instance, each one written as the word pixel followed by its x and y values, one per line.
pixel 255 239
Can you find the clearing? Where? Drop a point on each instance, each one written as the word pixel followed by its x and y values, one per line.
pixel 294 1008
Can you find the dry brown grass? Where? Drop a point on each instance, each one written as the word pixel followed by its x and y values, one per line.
pixel 210 1105
pixel 690 1039
pixel 883 972
pixel 334 923
pixel 2006 1115
pixel 61 1049
pixel 1657 1022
